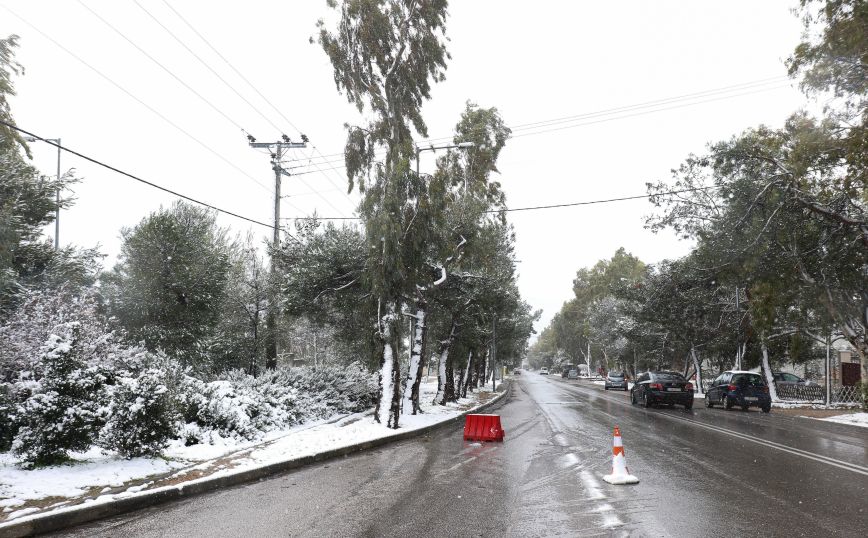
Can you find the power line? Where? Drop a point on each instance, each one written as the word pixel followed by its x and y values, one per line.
pixel 646 104
pixel 207 66
pixel 137 178
pixel 644 112
pixel 754 87
pixel 163 67
pixel 135 98
pixel 255 89
pixel 572 204
pixel 604 201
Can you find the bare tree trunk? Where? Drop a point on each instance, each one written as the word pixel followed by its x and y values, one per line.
pixel 444 372
pixel 468 374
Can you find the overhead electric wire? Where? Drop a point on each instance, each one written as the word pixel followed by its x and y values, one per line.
pixel 141 180
pixel 253 86
pixel 646 104
pixel 625 116
pixel 207 66
pixel 556 206
pixel 135 98
pixel 604 201
pixel 537 127
pixel 163 67
pixel 644 112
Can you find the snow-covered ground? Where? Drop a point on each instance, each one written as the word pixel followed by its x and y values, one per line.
pixel 99 477
pixel 854 419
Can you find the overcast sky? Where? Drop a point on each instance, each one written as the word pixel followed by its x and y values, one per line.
pixel 534 61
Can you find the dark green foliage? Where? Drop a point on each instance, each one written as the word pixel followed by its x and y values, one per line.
pixel 168 287
pixel 8 418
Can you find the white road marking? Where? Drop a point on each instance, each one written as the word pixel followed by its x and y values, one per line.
pixel 847 466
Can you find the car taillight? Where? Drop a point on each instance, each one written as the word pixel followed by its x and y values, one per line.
pixel 688 386
pixel 655 386
pixel 766 389
pixel 731 387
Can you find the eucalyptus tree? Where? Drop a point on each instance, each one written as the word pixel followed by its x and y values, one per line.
pixel 386 54
pixel 450 209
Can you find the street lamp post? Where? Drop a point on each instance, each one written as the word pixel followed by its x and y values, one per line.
pixel 56 142
pixel 460 145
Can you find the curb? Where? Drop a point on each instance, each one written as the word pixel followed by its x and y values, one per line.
pixel 80 514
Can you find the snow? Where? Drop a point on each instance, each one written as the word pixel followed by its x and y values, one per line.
pixel 853 419
pixel 97 470
pixel 97 473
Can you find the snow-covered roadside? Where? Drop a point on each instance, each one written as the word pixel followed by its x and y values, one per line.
pixel 103 478
pixel 853 419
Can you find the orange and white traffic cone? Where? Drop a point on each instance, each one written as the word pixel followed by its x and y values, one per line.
pixel 620 473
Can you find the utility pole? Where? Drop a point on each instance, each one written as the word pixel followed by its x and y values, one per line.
pixel 494 354
pixel 272 319
pixel 737 333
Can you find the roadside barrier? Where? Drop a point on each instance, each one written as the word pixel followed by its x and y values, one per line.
pixel 483 428
pixel 620 473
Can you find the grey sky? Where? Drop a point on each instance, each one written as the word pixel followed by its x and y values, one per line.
pixel 534 61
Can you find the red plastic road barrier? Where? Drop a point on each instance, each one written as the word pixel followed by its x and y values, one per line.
pixel 483 428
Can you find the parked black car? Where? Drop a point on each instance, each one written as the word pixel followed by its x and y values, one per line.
pixel 565 370
pixel 744 389
pixel 616 380
pixel 662 387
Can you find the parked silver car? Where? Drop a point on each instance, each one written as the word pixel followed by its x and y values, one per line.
pixel 616 380
pixel 784 378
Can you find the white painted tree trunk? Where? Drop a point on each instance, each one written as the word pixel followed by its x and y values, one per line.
pixel 697 367
pixel 441 377
pixel 767 372
pixel 414 374
pixel 386 374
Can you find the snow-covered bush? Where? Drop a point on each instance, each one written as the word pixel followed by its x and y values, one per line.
pixel 329 390
pixel 143 415
pixel 242 406
pixel 66 409
pixel 29 327
pixel 219 407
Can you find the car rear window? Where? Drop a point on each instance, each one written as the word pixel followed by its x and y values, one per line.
pixel 755 380
pixel 616 374
pixel 665 376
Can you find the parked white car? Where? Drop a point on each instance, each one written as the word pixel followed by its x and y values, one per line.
pixel 543 371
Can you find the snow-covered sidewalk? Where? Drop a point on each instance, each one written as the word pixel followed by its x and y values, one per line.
pixel 852 419
pixel 101 478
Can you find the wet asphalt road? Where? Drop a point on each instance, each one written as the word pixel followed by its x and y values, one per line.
pixel 706 472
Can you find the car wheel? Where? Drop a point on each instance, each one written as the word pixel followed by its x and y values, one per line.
pixel 605 387
pixel 708 403
pixel 645 400
pixel 745 407
pixel 688 406
pixel 633 398
pixel 727 403
pixel 767 408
